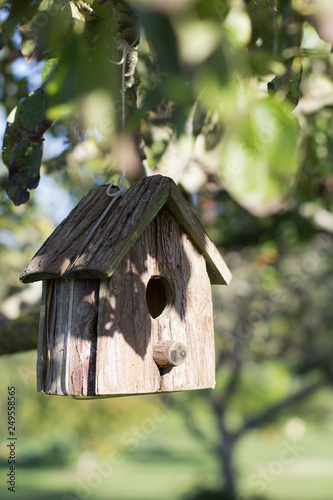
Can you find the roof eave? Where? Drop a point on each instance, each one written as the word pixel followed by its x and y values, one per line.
pixel 164 193
pixel 218 270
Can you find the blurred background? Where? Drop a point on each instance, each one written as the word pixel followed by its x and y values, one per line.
pixel 233 100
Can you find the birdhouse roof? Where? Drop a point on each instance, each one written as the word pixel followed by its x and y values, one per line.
pixel 66 255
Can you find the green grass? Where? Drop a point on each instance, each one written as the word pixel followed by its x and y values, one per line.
pixel 281 467
pixel 168 463
pixel 150 472
pixel 130 480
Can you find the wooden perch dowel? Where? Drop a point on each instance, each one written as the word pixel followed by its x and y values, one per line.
pixel 169 353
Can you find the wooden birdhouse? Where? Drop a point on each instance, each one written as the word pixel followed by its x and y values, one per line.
pixel 129 311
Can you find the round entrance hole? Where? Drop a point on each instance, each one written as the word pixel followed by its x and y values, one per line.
pixel 158 296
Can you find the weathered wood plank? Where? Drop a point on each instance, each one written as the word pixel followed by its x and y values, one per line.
pixel 122 227
pixel 199 320
pixel 173 265
pixel 57 252
pixel 42 351
pixel 83 338
pixel 55 381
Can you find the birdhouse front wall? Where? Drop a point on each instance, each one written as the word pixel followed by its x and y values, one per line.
pixel 97 337
pixel 127 332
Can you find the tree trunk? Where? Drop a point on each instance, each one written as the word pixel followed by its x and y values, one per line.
pixel 225 453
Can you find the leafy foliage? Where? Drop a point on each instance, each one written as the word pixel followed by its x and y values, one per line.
pixel 22 146
pixel 209 58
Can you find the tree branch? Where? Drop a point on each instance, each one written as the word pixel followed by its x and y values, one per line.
pixel 271 412
pixel 20 334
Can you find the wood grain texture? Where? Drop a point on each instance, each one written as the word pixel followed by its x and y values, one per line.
pixel 115 235
pixel 126 336
pixel 56 338
pixel 57 252
pixel 68 327
pixel 106 331
pixel 127 333
pixel 62 254
pixel 126 222
pixel 83 338
pixel 190 319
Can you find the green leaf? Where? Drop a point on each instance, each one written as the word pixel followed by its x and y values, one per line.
pixel 161 36
pixel 48 70
pixel 10 136
pixel 161 5
pixel 31 116
pixel 22 146
pixel 259 157
pixel 24 169
pixel 286 88
pixel 264 24
pixel 51 34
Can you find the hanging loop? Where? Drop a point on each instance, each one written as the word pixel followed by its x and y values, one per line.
pixel 121 183
pixel 121 45
pixel 124 46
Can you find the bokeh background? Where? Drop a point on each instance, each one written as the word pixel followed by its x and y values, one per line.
pixel 234 101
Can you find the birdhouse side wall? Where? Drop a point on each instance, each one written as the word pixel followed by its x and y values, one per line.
pixel 66 361
pixel 53 329
pixel 42 352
